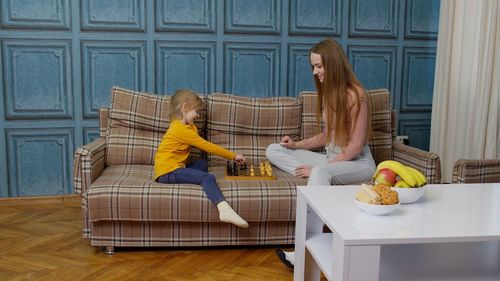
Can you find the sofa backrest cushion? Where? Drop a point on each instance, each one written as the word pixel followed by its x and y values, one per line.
pixel 137 122
pixel 381 139
pixel 380 105
pixel 247 125
pixel 103 121
pixel 309 126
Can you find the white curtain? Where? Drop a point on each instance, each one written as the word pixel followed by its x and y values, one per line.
pixel 466 108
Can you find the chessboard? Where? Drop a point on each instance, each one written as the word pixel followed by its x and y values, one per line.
pixel 236 171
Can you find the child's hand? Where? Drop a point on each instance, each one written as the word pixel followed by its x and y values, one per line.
pixel 239 158
pixel 287 142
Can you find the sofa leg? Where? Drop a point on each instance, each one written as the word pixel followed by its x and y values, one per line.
pixel 109 250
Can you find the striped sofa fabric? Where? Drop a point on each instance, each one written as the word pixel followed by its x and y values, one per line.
pixel 248 125
pixel 123 207
pixel 476 171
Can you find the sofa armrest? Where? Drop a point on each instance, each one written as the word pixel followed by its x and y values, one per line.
pixel 476 171
pixel 88 164
pixel 426 162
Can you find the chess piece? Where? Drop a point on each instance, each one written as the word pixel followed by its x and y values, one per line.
pixel 252 172
pixel 262 169
pixel 235 169
pixel 269 170
pixel 229 169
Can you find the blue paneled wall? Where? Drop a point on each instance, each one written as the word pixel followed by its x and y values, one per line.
pixel 60 59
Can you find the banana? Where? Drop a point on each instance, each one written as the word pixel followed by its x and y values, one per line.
pixel 400 169
pixel 421 180
pixel 401 184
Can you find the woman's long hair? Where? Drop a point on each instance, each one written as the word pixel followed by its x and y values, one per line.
pixel 338 78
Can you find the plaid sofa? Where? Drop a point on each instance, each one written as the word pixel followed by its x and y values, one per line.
pixel 123 207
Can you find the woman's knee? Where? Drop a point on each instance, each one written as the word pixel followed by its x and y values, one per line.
pixel 319 175
pixel 272 149
pixel 319 171
pixel 328 175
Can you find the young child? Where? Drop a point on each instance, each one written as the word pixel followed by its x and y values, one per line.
pixel 173 152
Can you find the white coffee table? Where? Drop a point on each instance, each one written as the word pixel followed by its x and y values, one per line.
pixel 451 233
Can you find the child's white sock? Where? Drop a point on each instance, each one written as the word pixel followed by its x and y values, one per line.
pixel 227 214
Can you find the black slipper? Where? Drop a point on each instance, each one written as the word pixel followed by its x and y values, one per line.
pixel 281 255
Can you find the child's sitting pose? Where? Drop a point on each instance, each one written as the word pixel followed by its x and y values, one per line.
pixel 173 152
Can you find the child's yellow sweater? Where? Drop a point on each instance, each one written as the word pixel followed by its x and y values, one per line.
pixel 173 150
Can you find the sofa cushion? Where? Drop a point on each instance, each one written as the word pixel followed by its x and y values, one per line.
pixel 247 125
pixel 380 105
pixel 138 121
pixel 139 110
pixel 309 126
pixel 126 192
pixel 103 121
pixel 381 139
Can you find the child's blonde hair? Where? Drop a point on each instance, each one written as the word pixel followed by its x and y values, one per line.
pixel 180 97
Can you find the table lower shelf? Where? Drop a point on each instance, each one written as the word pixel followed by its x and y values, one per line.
pixel 473 261
pixel 320 246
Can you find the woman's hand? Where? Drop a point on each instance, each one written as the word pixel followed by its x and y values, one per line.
pixel 287 142
pixel 303 171
pixel 239 158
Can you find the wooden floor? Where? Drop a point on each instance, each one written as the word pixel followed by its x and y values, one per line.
pixel 40 239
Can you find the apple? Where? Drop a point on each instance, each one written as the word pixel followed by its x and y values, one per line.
pixel 386 176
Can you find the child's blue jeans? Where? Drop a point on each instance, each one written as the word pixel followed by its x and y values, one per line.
pixel 196 173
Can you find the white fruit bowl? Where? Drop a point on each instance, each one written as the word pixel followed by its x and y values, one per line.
pixel 377 210
pixel 409 195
